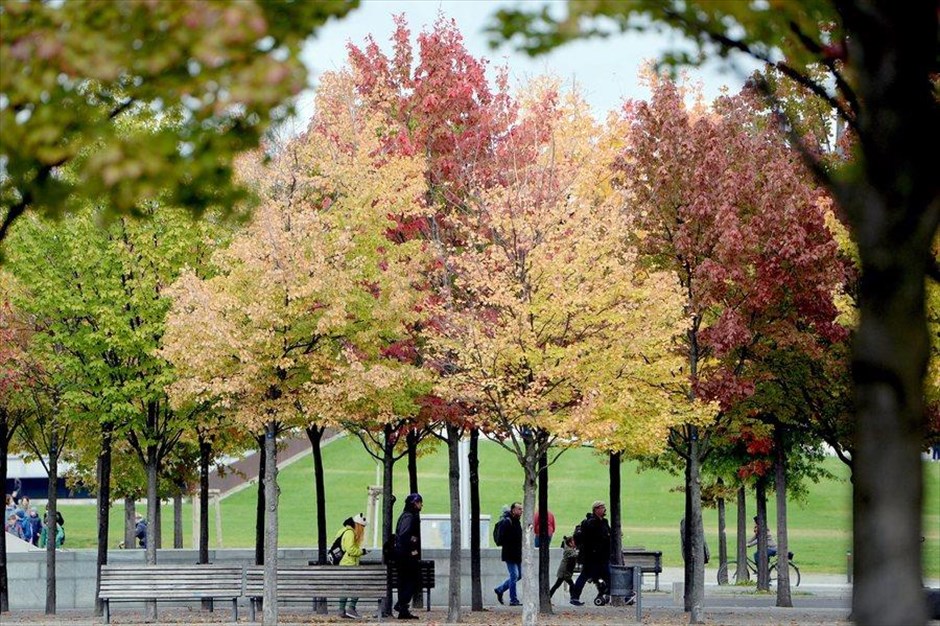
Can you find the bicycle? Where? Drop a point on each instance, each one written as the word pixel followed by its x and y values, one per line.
pixel 732 566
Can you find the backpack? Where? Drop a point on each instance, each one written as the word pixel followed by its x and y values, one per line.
pixel 498 531
pixel 578 536
pixel 336 553
pixel 388 548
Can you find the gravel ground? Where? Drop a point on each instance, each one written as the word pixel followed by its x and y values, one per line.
pixel 590 616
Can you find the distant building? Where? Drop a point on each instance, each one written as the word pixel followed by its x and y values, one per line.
pixel 30 479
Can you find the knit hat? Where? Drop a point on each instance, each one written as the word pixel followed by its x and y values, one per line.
pixel 360 519
pixel 597 503
pixel 412 498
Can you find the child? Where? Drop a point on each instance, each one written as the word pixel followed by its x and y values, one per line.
pixel 569 559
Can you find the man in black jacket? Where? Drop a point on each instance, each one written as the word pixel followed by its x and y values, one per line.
pixel 408 554
pixel 594 552
pixel 510 535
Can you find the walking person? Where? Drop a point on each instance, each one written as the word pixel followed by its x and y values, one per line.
pixel 408 554
pixel 13 527
pixel 569 558
pixel 44 535
pixel 536 524
pixel 594 552
pixel 140 530
pixel 352 533
pixel 510 540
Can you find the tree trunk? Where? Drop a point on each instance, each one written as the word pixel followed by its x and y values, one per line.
pixel 411 439
pixel 130 513
pixel 616 515
pixel 894 209
pixel 722 540
pixel 104 508
pixel 153 513
pixel 205 455
pixel 388 466
pixel 259 505
pixel 51 524
pixel 529 583
pixel 270 525
pixel 742 574
pixel 158 525
pixel 545 601
pixel 696 532
pixel 763 576
pixel 4 451
pixel 476 587
pixel 780 475
pixel 688 572
pixel 456 532
pixel 315 437
pixel 178 520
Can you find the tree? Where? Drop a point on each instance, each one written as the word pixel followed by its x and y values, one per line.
pixel 72 70
pixel 547 290
pixel 882 86
pixel 14 342
pixel 98 294
pixel 436 103
pixel 272 338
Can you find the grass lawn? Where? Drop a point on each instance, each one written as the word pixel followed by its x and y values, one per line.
pixel 819 528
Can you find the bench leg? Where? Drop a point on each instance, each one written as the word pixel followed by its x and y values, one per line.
pixel 657 582
pixel 251 608
pixel 427 595
pixel 381 608
pixel 235 610
pixel 107 612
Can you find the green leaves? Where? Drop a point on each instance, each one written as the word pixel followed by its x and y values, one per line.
pixel 206 78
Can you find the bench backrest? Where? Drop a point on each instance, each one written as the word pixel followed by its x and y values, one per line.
pixel 163 581
pixel 320 581
pixel 427 575
pixel 649 561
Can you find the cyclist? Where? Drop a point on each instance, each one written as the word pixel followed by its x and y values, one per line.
pixel 771 544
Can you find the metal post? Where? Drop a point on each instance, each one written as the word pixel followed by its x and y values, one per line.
pixel 638 590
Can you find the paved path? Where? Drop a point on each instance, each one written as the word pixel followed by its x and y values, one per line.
pixel 819 600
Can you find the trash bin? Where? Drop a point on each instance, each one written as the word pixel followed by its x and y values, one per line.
pixel 621 580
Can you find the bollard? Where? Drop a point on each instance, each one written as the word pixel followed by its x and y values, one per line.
pixel 678 593
pixel 848 569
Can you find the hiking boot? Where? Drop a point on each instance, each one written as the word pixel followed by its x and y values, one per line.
pixel 515 603
pixel 576 602
pixel 499 595
pixel 352 612
pixel 407 615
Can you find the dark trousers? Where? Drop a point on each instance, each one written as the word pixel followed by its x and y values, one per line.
pixel 592 571
pixel 409 574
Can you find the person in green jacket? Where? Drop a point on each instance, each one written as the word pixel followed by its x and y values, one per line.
pixel 59 533
pixel 353 533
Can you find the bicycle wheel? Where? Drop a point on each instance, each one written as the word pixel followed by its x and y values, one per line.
pixel 794 574
pixel 723 572
pixel 792 570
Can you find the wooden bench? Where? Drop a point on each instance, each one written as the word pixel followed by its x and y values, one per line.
pixel 169 582
pixel 319 581
pixel 427 580
pixel 649 561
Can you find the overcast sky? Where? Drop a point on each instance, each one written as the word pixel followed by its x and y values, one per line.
pixel 605 69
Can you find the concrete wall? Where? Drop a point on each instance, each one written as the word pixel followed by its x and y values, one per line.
pixel 75 572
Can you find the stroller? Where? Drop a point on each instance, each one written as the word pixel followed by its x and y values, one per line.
pixel 603 593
